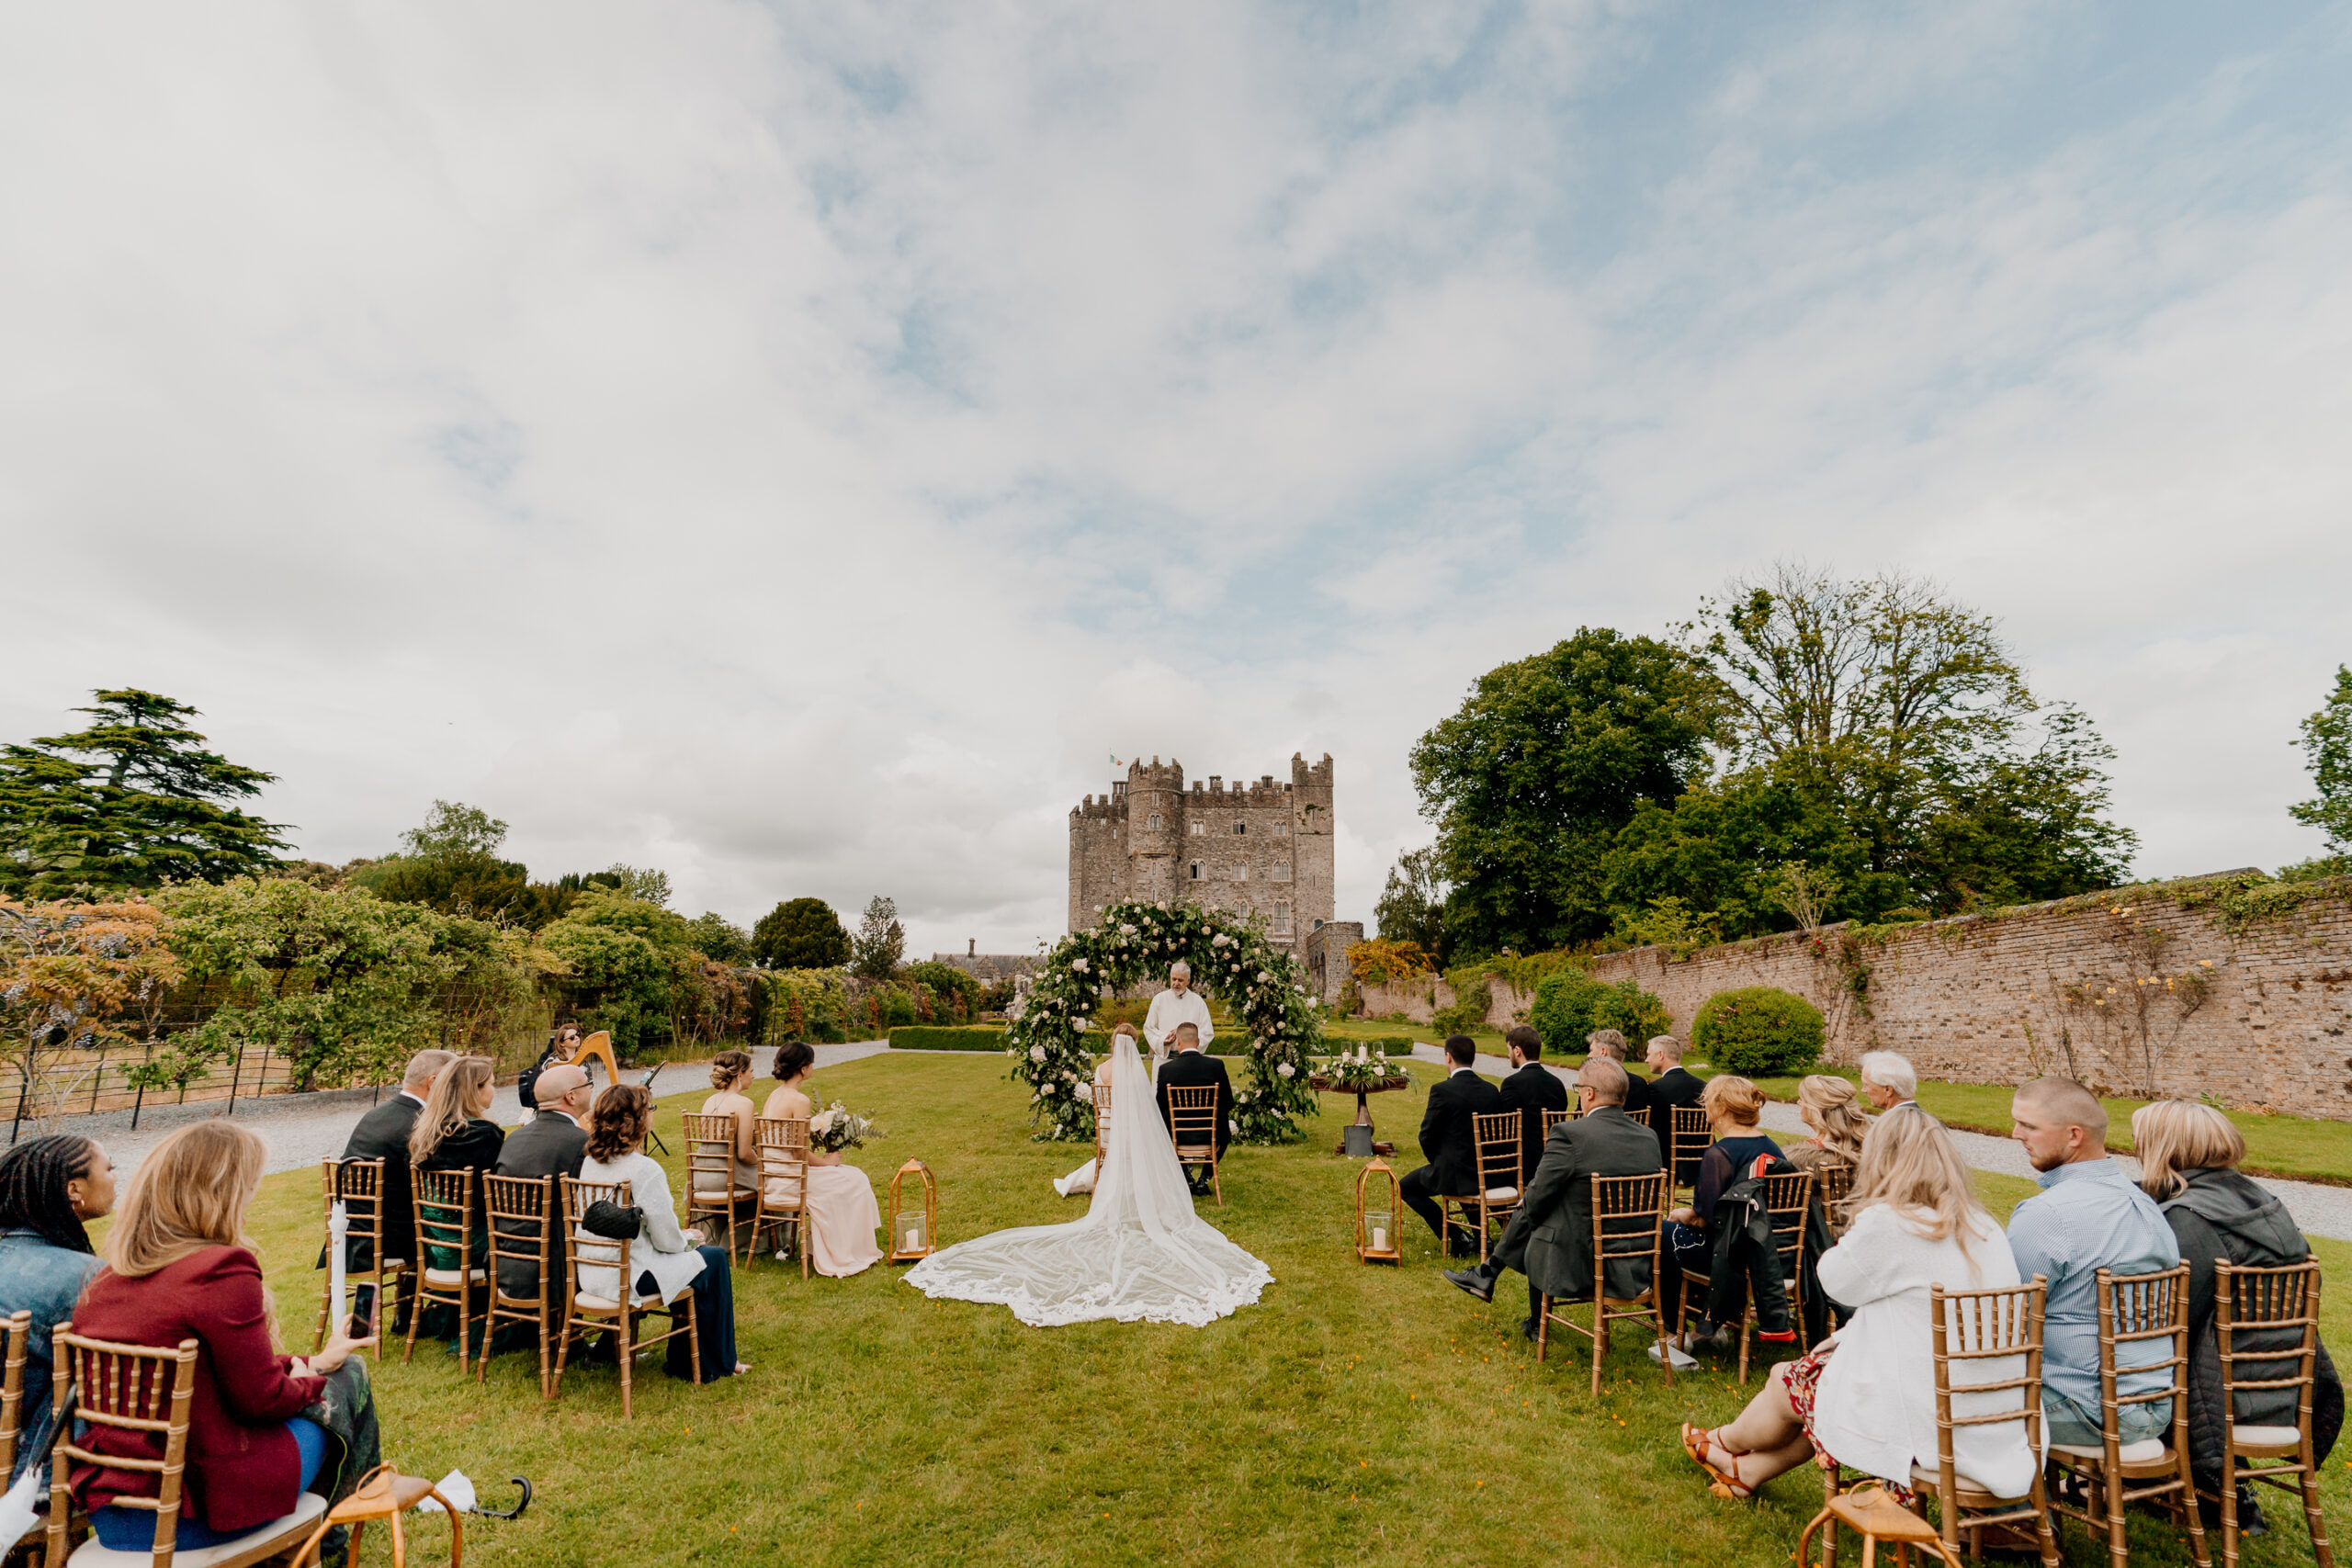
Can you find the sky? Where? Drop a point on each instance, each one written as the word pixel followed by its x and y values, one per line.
pixel 797 447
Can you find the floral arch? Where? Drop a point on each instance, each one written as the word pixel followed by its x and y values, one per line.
pixel 1264 986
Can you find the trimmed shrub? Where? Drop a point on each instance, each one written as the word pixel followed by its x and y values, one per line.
pixel 1634 1013
pixel 1563 1013
pixel 920 1037
pixel 1761 1031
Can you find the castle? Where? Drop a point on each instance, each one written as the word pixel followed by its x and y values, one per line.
pixel 1263 848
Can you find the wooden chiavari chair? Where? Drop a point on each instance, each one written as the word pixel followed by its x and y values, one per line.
pixel 14 1331
pixel 1643 1115
pixel 1833 1184
pixel 523 1232
pixel 1496 1140
pixel 2266 1325
pixel 711 1184
pixel 1102 1126
pixel 1554 1118
pixel 1789 1199
pixel 783 1184
pixel 1626 1212
pixel 1689 1134
pixel 585 1311
pixel 360 1183
pixel 1192 1126
pixel 147 1390
pixel 2137 1309
pixel 445 1218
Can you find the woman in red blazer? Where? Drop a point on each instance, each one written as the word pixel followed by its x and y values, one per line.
pixel 178 1266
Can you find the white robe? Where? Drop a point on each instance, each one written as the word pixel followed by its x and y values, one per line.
pixel 1170 1009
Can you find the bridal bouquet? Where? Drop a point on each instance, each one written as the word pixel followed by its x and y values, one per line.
pixel 1362 1068
pixel 837 1127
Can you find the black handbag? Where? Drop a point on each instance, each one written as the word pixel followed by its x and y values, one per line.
pixel 614 1223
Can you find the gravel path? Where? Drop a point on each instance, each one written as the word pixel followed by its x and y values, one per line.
pixel 2320 1210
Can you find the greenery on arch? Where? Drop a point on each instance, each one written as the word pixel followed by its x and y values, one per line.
pixel 1262 984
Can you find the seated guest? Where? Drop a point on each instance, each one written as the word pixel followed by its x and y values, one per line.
pixel 1610 1043
pixel 1888 1080
pixel 1732 1105
pixel 1531 1090
pixel 1083 1179
pixel 730 1073
pixel 50 1188
pixel 2088 1216
pixel 1866 1398
pixel 262 1428
pixel 383 1134
pixel 562 1045
pixel 664 1257
pixel 1450 1145
pixel 1550 1239
pixel 1670 1087
pixel 2188 1156
pixel 1189 1066
pixel 1826 1105
pixel 842 1213
pixel 551 1143
pixel 454 1132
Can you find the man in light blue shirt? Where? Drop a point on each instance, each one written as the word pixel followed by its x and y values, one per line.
pixel 2088 1216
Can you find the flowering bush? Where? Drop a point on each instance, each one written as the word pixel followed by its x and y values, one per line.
pixel 1231 959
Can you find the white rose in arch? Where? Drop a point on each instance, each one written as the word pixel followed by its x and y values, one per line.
pixel 1080 1023
pixel 1287 1070
pixel 1047 1087
pixel 1037 1052
pixel 1233 1127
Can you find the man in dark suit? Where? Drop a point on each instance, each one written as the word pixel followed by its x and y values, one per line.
pixel 1191 1067
pixel 1449 1144
pixel 552 1144
pixel 1669 1086
pixel 382 1134
pixel 1531 1090
pixel 1550 1239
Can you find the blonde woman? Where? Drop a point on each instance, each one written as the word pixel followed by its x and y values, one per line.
pixel 1083 1179
pixel 842 1214
pixel 263 1426
pixel 1866 1396
pixel 2189 1156
pixel 1732 1105
pixel 454 1132
pixel 1831 1110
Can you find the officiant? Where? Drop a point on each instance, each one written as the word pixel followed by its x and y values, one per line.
pixel 1178 1004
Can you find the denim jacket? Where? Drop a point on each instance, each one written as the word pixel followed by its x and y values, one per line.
pixel 45 1281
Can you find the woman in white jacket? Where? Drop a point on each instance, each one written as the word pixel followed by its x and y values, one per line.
pixel 1866 1396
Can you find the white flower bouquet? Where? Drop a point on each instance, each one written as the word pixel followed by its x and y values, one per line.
pixel 837 1127
pixel 1356 1071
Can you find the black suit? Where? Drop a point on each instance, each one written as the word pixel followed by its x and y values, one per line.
pixel 1637 1094
pixel 1449 1144
pixel 1550 1239
pixel 1198 1070
pixel 1531 1091
pixel 554 1145
pixel 1674 1088
pixel 382 1134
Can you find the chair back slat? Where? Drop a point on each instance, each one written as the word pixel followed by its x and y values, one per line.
pixel 783 1148
pixel 1643 1115
pixel 14 1331
pixel 1625 1210
pixel 1554 1118
pixel 1834 1179
pixel 1192 1115
pixel 1689 1134
pixel 2265 1328
pixel 2136 1309
pixel 1497 1137
pixel 133 1388
pixel 710 1152
pixel 1983 1325
pixel 525 1204
pixel 588 1249
pixel 445 1208
pixel 358 1185
pixel 1789 1199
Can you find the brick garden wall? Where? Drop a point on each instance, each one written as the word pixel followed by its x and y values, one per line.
pixel 2119 991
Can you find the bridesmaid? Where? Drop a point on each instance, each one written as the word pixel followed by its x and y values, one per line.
pixel 842 1214
pixel 730 1074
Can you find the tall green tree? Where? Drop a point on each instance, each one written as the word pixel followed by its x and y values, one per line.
pixel 1413 906
pixel 2327 751
pixel 1548 759
pixel 800 934
pixel 129 801
pixel 881 943
pixel 451 864
pixel 719 939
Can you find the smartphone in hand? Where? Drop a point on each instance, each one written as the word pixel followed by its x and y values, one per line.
pixel 363 1311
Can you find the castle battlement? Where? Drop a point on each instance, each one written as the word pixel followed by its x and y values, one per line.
pixel 1262 846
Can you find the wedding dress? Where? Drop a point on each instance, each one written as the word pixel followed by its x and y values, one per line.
pixel 1139 1254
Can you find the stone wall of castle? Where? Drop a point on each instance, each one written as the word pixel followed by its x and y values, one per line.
pixel 2098 988
pixel 1264 847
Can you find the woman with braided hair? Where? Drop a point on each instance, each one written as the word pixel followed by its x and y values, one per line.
pixel 49 1188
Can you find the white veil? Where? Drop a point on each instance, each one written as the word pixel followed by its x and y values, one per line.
pixel 1139 1253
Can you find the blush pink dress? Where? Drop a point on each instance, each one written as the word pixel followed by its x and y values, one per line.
pixel 842 1216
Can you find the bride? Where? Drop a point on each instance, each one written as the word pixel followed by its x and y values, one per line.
pixel 1139 1254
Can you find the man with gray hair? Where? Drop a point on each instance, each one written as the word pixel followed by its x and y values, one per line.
pixel 1609 1045
pixel 1550 1239
pixel 1888 1079
pixel 1178 1004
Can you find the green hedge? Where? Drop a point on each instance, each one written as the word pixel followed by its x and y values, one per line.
pixel 1758 1030
pixel 933 1037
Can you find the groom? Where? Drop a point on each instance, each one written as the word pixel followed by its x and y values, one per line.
pixel 1191 1067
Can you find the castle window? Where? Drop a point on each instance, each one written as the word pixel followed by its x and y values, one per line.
pixel 1200 827
pixel 1155 821
pixel 1196 870
pixel 1282 918
pixel 1281 871
pixel 1240 871
pixel 1239 829
pixel 1282 830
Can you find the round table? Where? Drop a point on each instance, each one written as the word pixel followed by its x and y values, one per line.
pixel 1364 1111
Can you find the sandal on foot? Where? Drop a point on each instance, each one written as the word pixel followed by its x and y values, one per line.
pixel 1723 1484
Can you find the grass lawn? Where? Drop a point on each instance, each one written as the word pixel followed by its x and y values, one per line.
pixel 1356 1415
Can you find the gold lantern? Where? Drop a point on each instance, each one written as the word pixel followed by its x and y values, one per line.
pixel 1376 1237
pixel 912 1231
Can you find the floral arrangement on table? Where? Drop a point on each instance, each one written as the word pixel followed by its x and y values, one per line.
pixel 1359 1071
pixel 1232 959
pixel 837 1127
